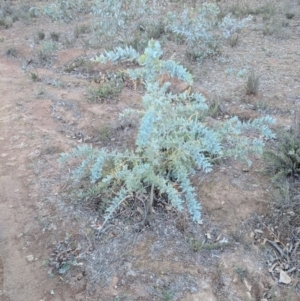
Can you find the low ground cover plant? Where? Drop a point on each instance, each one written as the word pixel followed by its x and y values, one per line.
pixel 173 142
pixel 284 160
pixel 118 22
pixel 204 29
pixel 65 10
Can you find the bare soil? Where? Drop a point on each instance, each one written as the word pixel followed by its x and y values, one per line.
pixel 173 259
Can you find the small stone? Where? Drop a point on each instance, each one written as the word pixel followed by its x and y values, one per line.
pixel 30 258
pixel 52 292
pixel 284 277
pixel 4 155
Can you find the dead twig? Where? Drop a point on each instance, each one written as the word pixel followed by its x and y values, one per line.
pixel 61 253
pixel 278 249
pixel 295 248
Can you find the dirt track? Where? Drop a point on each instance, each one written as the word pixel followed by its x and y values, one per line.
pixel 19 279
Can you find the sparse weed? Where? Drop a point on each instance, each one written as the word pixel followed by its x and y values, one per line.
pixel 233 40
pixel 139 42
pixel 194 244
pixel 33 12
pixel 155 31
pixel 41 93
pixel 6 22
pixel 284 160
pixel 12 51
pixel 290 15
pixel 196 55
pixel 69 41
pixel 66 10
pixel 252 85
pixel 102 134
pixel 53 82
pixel 268 30
pixel 268 11
pixel 45 53
pixel 167 295
pixel 145 32
pixel 55 36
pixel 12 13
pixel 48 47
pixel 41 35
pixel 214 245
pixel 83 65
pixel 50 150
pixel 285 23
pixel 261 105
pixel 243 273
pixel 289 10
pixel 107 90
pixel 242 73
pixel 34 76
pixel 214 107
pixel 241 9
pixel 277 28
pixel 81 29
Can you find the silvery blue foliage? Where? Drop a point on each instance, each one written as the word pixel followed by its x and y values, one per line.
pixel 245 138
pixel 116 20
pixel 230 25
pixel 146 126
pixel 119 54
pixel 150 61
pixel 176 70
pixel 65 9
pixel 173 142
pixel 195 27
pixel 201 28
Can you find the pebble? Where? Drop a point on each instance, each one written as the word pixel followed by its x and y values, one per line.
pixel 30 258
